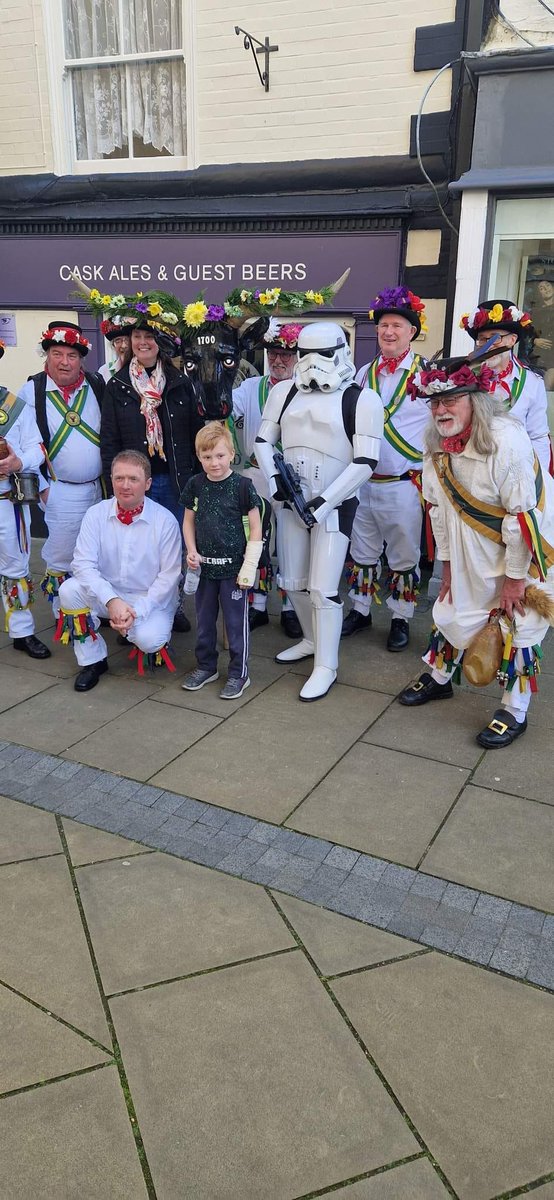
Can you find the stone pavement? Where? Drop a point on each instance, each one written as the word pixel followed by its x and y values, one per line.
pixel 356 1001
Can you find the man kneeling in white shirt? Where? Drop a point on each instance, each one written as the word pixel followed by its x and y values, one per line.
pixel 126 566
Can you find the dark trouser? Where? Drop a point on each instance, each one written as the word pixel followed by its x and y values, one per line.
pixel 234 603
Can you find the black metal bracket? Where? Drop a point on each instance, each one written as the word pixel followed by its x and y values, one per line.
pixel 261 48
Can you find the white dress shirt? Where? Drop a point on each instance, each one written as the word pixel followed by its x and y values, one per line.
pixel 79 460
pixel 140 562
pixel 410 419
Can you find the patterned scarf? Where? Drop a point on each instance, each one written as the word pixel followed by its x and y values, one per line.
pixel 392 364
pixel 455 445
pixel 67 392
pixel 125 515
pixel 150 389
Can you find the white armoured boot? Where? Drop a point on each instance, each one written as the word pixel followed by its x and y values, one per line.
pixel 327 628
pixel 304 610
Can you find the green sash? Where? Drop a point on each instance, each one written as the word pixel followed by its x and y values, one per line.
pixel 518 385
pixel 72 419
pixel 487 518
pixel 394 438
pixel 11 408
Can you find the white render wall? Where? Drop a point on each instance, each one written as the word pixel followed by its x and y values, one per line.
pixel 341 84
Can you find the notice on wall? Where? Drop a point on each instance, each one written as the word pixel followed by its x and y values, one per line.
pixel 8 331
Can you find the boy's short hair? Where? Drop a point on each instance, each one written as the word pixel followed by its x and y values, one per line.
pixel 135 457
pixel 210 435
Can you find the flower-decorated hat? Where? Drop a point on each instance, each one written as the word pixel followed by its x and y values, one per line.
pixel 452 377
pixel 160 312
pixel 282 337
pixel 404 303
pixel 495 315
pixel 65 333
pixel 243 303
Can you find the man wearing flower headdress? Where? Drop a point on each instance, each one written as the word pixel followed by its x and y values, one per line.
pixel 66 401
pixel 117 331
pixel 249 400
pixel 20 450
pixel 390 509
pixel 519 388
pixel 492 512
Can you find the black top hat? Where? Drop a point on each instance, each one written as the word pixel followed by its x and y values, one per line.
pixel 65 333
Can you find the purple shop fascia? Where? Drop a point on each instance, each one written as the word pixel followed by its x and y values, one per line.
pixel 37 270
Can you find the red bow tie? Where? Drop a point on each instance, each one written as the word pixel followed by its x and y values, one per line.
pixel 125 515
pixel 392 364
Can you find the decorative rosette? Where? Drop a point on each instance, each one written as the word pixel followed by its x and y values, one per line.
pixel 65 337
pixel 283 337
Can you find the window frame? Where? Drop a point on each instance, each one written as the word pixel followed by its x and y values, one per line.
pixel 60 70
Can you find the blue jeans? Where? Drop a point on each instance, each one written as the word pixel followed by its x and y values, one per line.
pixel 162 492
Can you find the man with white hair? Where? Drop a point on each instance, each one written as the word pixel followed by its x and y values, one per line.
pixel 492 512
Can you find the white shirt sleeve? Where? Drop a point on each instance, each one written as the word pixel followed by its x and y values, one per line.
pixel 169 571
pixel 432 493
pixel 85 565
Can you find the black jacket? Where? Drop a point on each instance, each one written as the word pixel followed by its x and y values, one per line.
pixel 124 428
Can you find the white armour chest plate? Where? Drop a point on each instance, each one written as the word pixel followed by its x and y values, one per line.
pixel 314 439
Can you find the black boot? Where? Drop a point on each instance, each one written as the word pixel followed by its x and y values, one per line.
pixel 354 623
pixel 30 645
pixel 88 677
pixel 256 618
pixel 399 635
pixel 291 625
pixel 181 623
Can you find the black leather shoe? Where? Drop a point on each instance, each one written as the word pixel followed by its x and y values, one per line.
pixel 31 646
pixel 89 676
pixel 501 731
pixel 256 618
pixel 424 690
pixel 181 623
pixel 291 625
pixel 399 635
pixel 354 623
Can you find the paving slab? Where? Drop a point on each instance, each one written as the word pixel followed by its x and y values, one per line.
pixel 20 685
pixel 43 952
pixel 248 1083
pixel 34 1047
pixel 470 1055
pixel 415 730
pixel 262 671
pixel 142 740
pixel 26 833
pixel 285 749
pixel 62 664
pixel 527 768
pixel 382 801
pixel 87 845
pixel 499 843
pixel 77 1139
pixel 411 1181
pixel 365 662
pixel 546 1192
pixel 58 717
pixel 206 919
pixel 337 943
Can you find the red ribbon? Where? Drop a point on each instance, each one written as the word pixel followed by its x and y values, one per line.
pixel 392 364
pixel 125 515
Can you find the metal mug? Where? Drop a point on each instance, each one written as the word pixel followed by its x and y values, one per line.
pixel 25 487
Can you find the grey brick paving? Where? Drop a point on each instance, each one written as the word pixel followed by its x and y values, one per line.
pixel 512 938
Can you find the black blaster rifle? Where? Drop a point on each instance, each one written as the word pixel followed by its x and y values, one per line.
pixel 291 488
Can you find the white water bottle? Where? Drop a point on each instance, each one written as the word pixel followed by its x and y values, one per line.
pixel 192 579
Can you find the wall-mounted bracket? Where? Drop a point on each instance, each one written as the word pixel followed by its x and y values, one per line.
pixel 260 48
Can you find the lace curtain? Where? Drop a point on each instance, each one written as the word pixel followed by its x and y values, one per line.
pixel 156 90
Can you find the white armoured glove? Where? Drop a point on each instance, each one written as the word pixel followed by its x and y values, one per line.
pixel 247 573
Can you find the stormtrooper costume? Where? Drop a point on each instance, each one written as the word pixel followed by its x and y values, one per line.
pixel 331 435
pixel 19 428
pixel 71 433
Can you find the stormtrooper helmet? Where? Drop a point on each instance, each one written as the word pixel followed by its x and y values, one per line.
pixel 324 359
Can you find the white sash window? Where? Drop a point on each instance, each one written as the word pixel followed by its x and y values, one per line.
pixel 125 75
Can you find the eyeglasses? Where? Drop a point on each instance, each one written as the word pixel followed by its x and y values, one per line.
pixel 447 401
pixel 282 354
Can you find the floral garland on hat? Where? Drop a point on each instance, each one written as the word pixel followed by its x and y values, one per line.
pixel 283 336
pixel 242 304
pixel 65 337
pixel 161 310
pixel 439 380
pixel 399 298
pixel 497 315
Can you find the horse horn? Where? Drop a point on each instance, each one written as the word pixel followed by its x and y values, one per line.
pixel 335 287
pixel 81 286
